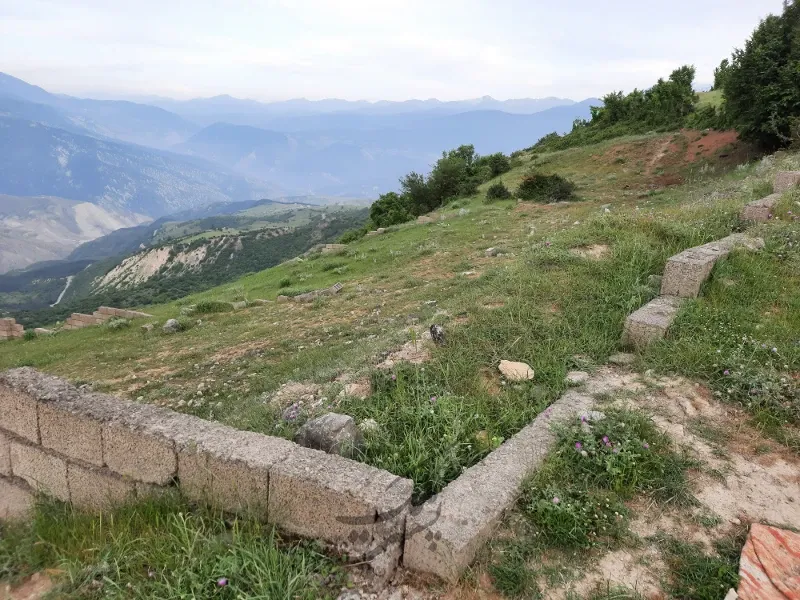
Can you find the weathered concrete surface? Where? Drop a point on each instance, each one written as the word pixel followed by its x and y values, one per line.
pixel 651 322
pixel 315 494
pixel 16 499
pixel 63 427
pixel 760 211
pixel 135 454
pixel 43 471
pixel 18 413
pixel 685 273
pixel 97 488
pixel 444 534
pixel 5 454
pixel 786 180
pixel 333 433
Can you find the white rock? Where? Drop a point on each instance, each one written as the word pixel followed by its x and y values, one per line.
pixel 515 371
pixel 577 377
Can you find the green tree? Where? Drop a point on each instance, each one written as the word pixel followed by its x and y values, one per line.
pixel 390 209
pixel 762 87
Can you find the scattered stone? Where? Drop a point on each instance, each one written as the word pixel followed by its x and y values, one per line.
pixel 172 326
pixel 423 220
pixel 576 378
pixel 469 273
pixel 491 252
pixel 437 335
pixel 786 180
pixel 651 322
pixel 760 211
pixel 358 389
pixel 282 298
pixel 43 331
pixel 332 433
pixel 622 359
pixel 260 302
pixel 430 303
pixel 239 305
pixel 516 371
pixel 380 230
pixel 148 328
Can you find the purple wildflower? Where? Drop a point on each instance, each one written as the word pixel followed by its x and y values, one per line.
pixel 726 372
pixel 433 399
pixel 394 377
pixel 548 244
pixel 222 582
pixel 605 439
pixel 556 499
pixel 578 445
pixel 646 446
pixel 584 418
pixel 616 450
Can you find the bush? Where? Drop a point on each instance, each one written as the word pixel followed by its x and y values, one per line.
pixel 353 235
pixel 117 323
pixel 285 282
pixel 545 188
pixel 497 191
pixel 29 335
pixel 205 307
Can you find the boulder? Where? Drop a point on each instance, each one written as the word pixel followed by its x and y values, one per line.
pixel 333 433
pixel 490 252
pixel 239 305
pixel 147 328
pixel 437 335
pixel 423 220
pixel 172 326
pixel 515 371
pixel 576 378
pixel 622 359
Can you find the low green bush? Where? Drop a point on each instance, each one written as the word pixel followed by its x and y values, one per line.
pixel 498 191
pixel 545 188
pixel 205 307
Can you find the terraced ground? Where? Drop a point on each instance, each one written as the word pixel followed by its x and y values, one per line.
pixel 554 293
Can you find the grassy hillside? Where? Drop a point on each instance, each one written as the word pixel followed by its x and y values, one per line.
pixel 556 296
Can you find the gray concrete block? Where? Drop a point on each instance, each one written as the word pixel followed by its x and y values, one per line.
pixel 786 180
pixel 686 272
pixel 5 454
pixel 324 496
pixel 16 499
pixel 18 413
pixel 69 430
pixel 759 211
pixel 132 453
pixel 651 322
pixel 42 470
pixel 444 534
pixel 97 489
pixel 228 468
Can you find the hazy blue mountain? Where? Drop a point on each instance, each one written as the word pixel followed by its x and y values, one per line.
pixel 39 160
pixel 127 121
pixel 367 154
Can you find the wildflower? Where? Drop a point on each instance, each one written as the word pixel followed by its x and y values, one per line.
pixel 646 446
pixel 775 350
pixel 222 582
pixel 584 418
pixel 616 450
pixel 578 445
pixel 556 499
pixel 726 372
pixel 394 377
pixel 584 453
pixel 433 399
pixel 605 439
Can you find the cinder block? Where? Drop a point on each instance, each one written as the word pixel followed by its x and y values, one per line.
pixel 7 322
pixel 5 454
pixel 786 180
pixel 16 499
pixel 444 534
pixel 685 273
pixel 97 489
pixel 138 455
pixel 651 322
pixel 107 310
pixel 324 496
pixel 227 468
pixel 67 429
pixel 759 211
pixel 18 413
pixel 41 470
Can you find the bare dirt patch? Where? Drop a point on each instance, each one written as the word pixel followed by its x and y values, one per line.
pixel 592 252
pixel 35 587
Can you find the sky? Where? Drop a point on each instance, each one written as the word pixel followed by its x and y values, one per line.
pixel 366 49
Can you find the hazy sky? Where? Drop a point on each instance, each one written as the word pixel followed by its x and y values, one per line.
pixel 370 49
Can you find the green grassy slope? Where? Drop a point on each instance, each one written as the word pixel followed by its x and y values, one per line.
pixel 556 298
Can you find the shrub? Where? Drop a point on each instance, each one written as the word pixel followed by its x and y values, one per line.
pixel 285 282
pixel 117 323
pixel 205 307
pixel 497 191
pixel 545 188
pixel 29 335
pixel 353 235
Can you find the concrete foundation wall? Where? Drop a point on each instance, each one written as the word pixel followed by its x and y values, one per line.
pixel 96 450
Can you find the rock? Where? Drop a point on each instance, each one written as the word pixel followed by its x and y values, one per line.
pixel 380 230
pixel 282 299
pixel 423 220
pixel 516 371
pixel 332 433
pixel 148 328
pixel 261 302
pixel 239 305
pixel 172 326
pixel 437 335
pixel 43 331
pixel 357 389
pixel 491 252
pixel 577 378
pixel 350 595
pixel 622 359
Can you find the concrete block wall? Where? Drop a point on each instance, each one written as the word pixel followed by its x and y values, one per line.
pixel 10 329
pixel 96 450
pixel 101 315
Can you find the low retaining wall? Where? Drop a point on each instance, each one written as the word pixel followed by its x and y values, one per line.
pixel 10 329
pixel 101 315
pixel 96 450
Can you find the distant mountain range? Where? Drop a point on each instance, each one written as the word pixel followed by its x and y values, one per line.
pixel 163 156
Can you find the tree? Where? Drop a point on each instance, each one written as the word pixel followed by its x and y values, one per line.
pixel 761 89
pixel 721 74
pixel 390 209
